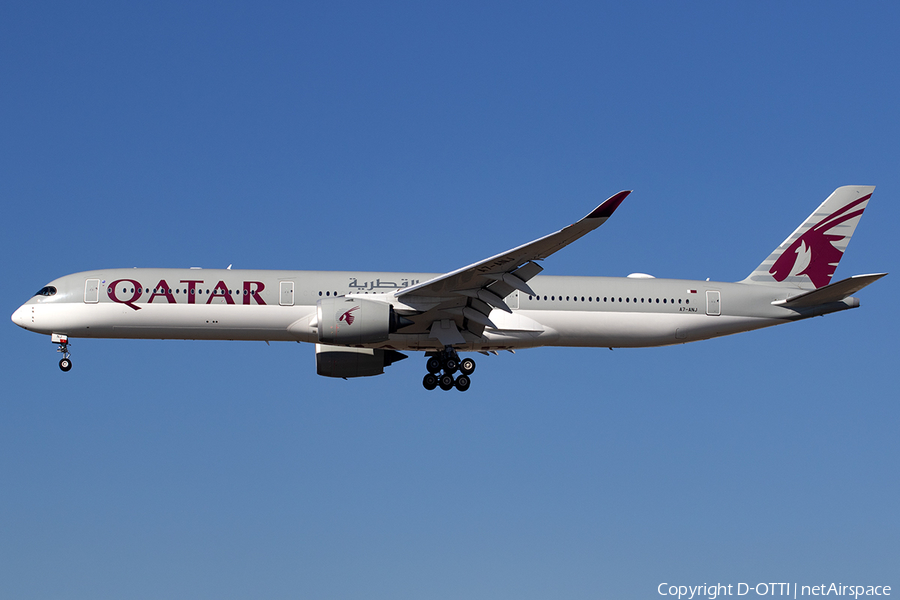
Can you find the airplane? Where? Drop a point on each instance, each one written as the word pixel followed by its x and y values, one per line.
pixel 362 322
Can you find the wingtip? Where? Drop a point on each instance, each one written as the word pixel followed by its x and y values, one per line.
pixel 606 209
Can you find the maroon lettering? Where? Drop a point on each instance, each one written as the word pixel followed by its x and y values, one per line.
pixel 192 286
pixel 164 291
pixel 113 290
pixel 250 292
pixel 220 290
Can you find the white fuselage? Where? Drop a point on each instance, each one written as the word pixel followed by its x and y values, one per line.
pixel 281 306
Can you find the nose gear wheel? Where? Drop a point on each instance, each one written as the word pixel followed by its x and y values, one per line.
pixel 65 363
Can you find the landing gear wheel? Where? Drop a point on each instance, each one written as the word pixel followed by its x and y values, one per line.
pixel 430 381
pixel 442 367
pixel 446 382
pixel 65 364
pixel 433 365
pixel 467 366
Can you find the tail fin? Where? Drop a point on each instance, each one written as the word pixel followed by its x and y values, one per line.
pixel 808 257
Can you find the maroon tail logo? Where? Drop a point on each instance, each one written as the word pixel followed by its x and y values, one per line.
pixel 348 316
pixel 814 254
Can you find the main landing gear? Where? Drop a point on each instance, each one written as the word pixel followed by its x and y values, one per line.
pixel 65 363
pixel 441 367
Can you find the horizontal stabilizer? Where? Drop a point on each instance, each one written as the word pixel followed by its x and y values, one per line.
pixel 834 292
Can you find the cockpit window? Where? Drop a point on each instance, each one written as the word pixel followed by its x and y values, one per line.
pixel 46 291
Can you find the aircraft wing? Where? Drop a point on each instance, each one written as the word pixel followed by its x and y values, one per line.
pixel 466 296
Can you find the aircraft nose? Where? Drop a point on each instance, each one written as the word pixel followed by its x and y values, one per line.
pixel 22 316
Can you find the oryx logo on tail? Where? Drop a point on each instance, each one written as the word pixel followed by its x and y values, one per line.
pixel 814 253
pixel 808 258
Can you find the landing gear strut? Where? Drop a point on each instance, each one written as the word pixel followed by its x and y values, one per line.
pixel 441 367
pixel 65 363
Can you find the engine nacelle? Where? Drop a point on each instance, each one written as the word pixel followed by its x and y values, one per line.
pixel 354 321
pixel 338 361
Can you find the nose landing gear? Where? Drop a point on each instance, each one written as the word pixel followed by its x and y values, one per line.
pixel 65 363
pixel 441 367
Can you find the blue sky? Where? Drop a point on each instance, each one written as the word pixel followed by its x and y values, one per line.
pixel 423 137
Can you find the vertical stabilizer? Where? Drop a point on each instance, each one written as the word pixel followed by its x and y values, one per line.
pixel 808 258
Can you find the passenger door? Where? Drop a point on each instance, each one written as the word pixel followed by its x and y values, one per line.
pixel 91 291
pixel 713 307
pixel 286 296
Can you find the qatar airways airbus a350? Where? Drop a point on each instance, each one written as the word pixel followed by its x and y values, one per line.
pixel 360 322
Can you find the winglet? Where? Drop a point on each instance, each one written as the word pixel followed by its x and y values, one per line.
pixel 606 209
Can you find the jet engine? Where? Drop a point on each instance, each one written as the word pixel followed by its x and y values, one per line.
pixel 338 361
pixel 354 321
